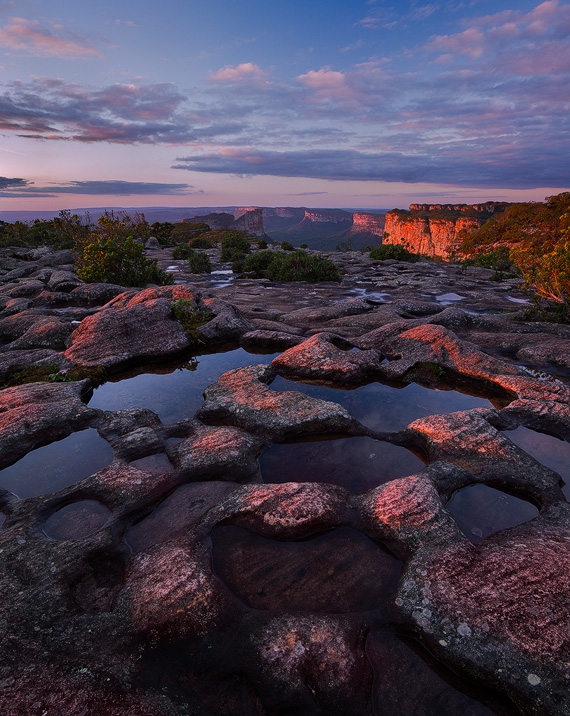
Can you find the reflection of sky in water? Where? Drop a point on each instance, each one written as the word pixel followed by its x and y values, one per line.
pixel 357 464
pixel 58 465
pixel 385 408
pixel 177 395
pixel 480 511
pixel 547 450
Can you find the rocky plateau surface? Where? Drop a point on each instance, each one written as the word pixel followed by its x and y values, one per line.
pixel 174 580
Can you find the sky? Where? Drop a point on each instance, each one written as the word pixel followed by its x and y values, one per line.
pixel 320 103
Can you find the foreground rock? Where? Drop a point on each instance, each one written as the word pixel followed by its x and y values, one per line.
pixel 173 582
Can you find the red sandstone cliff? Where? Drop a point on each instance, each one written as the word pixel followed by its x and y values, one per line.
pixel 433 230
pixel 363 223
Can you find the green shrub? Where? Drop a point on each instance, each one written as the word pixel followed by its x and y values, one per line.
pixel 287 246
pixel 182 251
pixel 304 246
pixel 261 244
pixel 199 262
pixel 498 259
pixel 190 316
pixel 238 265
pixel 116 260
pixel 234 246
pixel 393 251
pixel 200 243
pixel 300 266
pixel 259 262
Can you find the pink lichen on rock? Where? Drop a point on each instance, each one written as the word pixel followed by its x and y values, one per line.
pixel 287 509
pixel 170 590
pixel 516 590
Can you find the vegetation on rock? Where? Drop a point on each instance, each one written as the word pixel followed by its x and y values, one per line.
pixel 300 266
pixel 235 246
pixel 199 262
pixel 536 237
pixel 393 251
pixel 110 254
pixel 190 316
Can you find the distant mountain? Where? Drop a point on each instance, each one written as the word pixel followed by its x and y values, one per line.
pixel 319 228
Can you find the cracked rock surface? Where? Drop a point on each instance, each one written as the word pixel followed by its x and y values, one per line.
pixel 173 581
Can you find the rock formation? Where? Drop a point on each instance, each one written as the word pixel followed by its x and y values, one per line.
pixel 434 229
pixel 183 579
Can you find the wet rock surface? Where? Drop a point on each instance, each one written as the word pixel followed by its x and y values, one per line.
pixel 173 581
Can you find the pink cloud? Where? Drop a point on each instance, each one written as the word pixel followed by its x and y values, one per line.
pixel 30 36
pixel 245 72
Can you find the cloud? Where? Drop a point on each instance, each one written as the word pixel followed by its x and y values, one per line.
pixel 245 72
pixel 125 113
pixel 7 183
pixel 498 168
pixel 24 188
pixel 31 37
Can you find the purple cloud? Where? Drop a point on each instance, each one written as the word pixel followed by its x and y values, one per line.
pixel 31 37
pixel 24 188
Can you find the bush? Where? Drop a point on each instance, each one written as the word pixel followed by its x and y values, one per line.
pixel 259 262
pixel 191 317
pixel 121 261
pixel 300 266
pixel 235 246
pixel 261 244
pixel 287 246
pixel 304 246
pixel 199 263
pixel 498 259
pixel 200 243
pixel 393 251
pixel 182 251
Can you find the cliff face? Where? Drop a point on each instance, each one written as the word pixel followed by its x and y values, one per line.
pixel 368 224
pixel 436 235
pixel 332 216
pixel 251 221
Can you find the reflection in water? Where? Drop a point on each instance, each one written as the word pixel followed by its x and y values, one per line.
pixel 357 464
pixel 80 519
pixel 480 511
pixel 176 395
pixel 319 574
pixel 58 465
pixel 546 449
pixel 385 408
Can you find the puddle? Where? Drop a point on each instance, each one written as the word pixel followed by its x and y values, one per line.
pixel 175 395
pixel 408 681
pixel 357 464
pixel 386 408
pixel 480 511
pixel 449 298
pixel 177 514
pixel 337 572
pixel 517 300
pixel 77 520
pixel 376 296
pixel 546 449
pixel 57 465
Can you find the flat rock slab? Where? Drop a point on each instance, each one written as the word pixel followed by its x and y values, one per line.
pixel 242 398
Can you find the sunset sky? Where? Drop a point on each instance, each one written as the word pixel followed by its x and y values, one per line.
pixel 320 103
